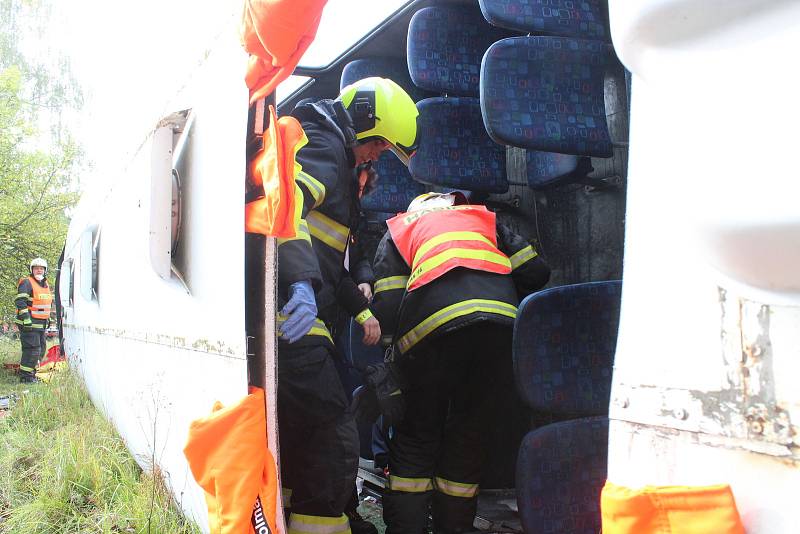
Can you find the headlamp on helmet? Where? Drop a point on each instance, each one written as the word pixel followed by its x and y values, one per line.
pixel 381 109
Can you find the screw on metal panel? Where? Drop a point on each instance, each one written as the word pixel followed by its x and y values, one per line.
pixel 680 414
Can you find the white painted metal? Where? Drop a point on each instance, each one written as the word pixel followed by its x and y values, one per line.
pixel 710 323
pixel 154 355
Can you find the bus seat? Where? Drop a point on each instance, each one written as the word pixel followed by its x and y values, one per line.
pixel 454 150
pixel 547 94
pixel 547 169
pixel 561 469
pixel 586 19
pixel 393 68
pixel 445 47
pixel 563 353
pixel 564 343
pixel 395 189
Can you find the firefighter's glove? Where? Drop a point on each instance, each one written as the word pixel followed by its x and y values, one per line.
pixel 385 383
pixel 300 311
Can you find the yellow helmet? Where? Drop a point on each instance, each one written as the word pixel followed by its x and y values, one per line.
pixel 381 108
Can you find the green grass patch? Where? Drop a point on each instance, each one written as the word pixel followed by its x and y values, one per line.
pixel 64 469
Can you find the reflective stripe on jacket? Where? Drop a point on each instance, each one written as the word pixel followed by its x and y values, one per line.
pixel 40 302
pixel 435 241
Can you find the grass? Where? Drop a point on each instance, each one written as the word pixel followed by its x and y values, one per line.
pixel 63 468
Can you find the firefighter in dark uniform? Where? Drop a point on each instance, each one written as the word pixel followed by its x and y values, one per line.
pixel 459 276
pixel 319 440
pixel 34 302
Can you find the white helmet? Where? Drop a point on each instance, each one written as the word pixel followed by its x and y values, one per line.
pixel 38 262
pixel 437 200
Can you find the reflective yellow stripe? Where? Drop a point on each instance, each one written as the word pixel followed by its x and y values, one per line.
pixel 38 326
pixel 327 230
pixel 464 253
pixel 413 336
pixel 455 489
pixel 314 187
pixel 23 296
pixel 319 328
pixel 410 485
pixel 28 369
pixel 362 317
pixel 449 236
pixel 313 524
pixel 23 311
pixel 302 233
pixel 522 256
pixel 391 282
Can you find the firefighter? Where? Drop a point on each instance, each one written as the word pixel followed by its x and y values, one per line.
pixel 319 440
pixel 449 279
pixel 34 302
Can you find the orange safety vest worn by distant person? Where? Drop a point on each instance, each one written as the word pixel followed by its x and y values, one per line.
pixel 276 34
pixel 42 300
pixel 669 510
pixel 275 168
pixel 435 241
pixel 228 456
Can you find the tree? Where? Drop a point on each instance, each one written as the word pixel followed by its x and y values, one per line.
pixel 39 159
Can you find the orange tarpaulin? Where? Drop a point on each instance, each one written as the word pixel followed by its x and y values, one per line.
pixel 669 510
pixel 276 33
pixel 228 455
pixel 274 169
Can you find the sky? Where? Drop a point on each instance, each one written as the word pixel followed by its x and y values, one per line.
pixel 132 57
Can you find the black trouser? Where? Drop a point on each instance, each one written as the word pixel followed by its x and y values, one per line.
pixel 318 437
pixel 437 451
pixel 34 346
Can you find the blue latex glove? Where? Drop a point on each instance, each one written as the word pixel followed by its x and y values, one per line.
pixel 301 311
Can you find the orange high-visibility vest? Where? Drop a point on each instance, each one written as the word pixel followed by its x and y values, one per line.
pixel 275 168
pixel 228 456
pixel 276 33
pixel 42 300
pixel 435 241
pixel 669 510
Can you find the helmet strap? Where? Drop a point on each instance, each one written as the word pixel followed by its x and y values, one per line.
pixel 345 123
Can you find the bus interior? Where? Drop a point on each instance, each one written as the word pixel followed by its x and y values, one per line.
pixel 525 108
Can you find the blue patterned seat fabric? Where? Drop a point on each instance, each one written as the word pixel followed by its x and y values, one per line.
pixel 454 149
pixel 550 168
pixel 445 47
pixel 561 469
pixel 395 188
pixel 584 19
pixel 392 68
pixel 564 343
pixel 546 94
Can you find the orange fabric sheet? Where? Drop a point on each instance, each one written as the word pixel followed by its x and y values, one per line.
pixel 274 169
pixel 228 456
pixel 276 34
pixel 669 510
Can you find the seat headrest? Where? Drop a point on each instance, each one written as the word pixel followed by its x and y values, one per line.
pixel 563 349
pixel 454 150
pixel 547 94
pixel 445 47
pixel 585 19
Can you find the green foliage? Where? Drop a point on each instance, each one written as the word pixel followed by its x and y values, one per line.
pixel 64 469
pixel 38 157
